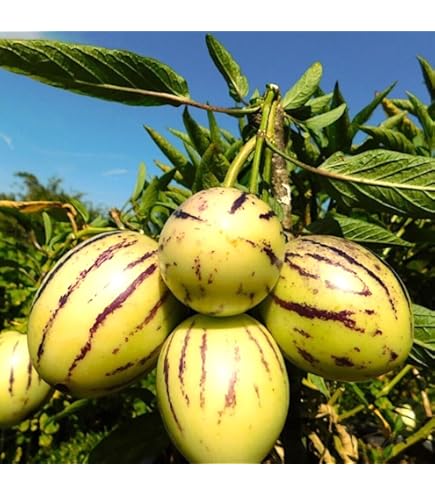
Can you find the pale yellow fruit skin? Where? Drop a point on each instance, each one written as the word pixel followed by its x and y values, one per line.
pixel 101 315
pixel 220 252
pixel 21 389
pixel 222 389
pixel 338 311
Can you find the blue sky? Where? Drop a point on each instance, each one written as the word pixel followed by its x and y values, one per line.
pixel 96 146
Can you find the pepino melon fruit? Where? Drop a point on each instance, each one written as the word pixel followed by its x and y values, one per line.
pixel 220 252
pixel 222 389
pixel 101 315
pixel 338 311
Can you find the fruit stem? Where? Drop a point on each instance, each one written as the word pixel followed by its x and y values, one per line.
pixel 271 92
pixel 384 391
pixel 419 435
pixel 270 132
pixel 392 383
pixel 238 162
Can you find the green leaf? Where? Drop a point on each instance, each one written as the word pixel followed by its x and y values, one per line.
pixel 69 410
pixel 228 136
pixel 403 104
pixel 356 230
pixel 319 104
pixel 423 349
pixel 139 440
pixel 358 392
pixel 425 119
pixel 382 180
pixel 325 119
pixel 184 137
pixel 205 178
pixel 81 209
pixel 338 133
pixel 390 139
pixel 304 88
pixel 318 382
pixel 215 132
pixel 228 67
pixel 48 227
pixel 199 136
pixel 428 75
pixel 364 115
pixel 149 197
pixel 394 121
pixel 180 162
pixel 194 156
pixel 115 75
pixel 140 181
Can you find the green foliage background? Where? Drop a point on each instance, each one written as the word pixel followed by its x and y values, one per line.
pixel 373 184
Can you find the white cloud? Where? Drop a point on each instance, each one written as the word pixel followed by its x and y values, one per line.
pixel 8 140
pixel 115 171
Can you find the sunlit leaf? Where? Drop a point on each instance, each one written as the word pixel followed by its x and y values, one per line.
pixel 199 136
pixel 140 181
pixel 116 75
pixel 423 349
pixel 304 88
pixel 325 119
pixel 356 230
pixel 363 115
pixel 382 180
pixel 390 138
pixel 228 67
pixel 428 75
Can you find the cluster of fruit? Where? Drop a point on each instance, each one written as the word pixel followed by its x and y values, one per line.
pixel 120 304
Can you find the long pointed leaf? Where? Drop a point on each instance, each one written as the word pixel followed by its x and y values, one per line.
pixel 338 133
pixel 116 75
pixel 425 119
pixel 363 116
pixel 428 75
pixel 140 181
pixel 304 88
pixel 205 178
pixel 199 136
pixel 325 119
pixel 228 67
pixel 177 158
pixel 390 139
pixel 382 180
pixel 423 350
pixel 356 230
pixel 320 104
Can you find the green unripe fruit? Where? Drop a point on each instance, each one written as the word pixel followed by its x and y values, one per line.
pixel 101 315
pixel 338 311
pixel 221 251
pixel 21 389
pixel 222 389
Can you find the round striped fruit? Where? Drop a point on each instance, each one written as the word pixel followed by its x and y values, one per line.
pixel 21 389
pixel 222 389
pixel 221 251
pixel 338 310
pixel 101 315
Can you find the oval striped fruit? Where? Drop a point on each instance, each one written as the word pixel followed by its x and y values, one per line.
pixel 21 389
pixel 222 389
pixel 101 315
pixel 338 310
pixel 220 252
